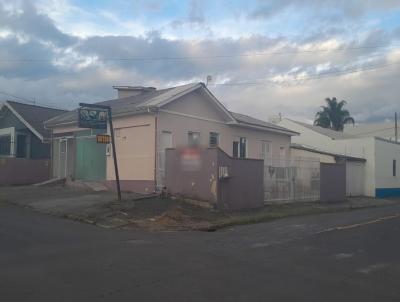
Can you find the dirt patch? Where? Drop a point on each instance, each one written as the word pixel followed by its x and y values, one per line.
pixel 175 218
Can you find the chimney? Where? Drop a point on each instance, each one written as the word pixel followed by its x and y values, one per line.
pixel 126 91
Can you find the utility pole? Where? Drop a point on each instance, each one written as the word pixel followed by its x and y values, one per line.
pixel 395 127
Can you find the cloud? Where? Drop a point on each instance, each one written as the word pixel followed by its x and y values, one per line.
pixel 196 13
pixel 24 19
pixel 85 68
pixel 338 8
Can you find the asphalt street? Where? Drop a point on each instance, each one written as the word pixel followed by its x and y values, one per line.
pixel 352 256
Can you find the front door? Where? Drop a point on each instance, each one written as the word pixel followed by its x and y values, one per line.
pixel 90 164
pixel 165 142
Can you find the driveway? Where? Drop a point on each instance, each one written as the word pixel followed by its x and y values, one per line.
pixel 62 200
pixel 351 256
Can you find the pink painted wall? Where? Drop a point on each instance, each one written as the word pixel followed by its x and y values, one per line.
pixel 21 171
pixel 195 113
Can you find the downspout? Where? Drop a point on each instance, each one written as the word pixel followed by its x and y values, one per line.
pixel 155 148
pixel 51 150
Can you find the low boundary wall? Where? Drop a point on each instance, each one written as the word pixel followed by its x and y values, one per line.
pixel 21 171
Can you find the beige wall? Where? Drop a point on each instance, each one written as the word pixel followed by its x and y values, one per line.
pixel 135 146
pixel 304 154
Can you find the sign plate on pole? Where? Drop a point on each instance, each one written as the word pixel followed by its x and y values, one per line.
pixel 103 138
pixel 92 118
pixel 96 116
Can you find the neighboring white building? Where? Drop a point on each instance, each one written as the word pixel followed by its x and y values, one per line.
pixel 378 176
pixel 384 130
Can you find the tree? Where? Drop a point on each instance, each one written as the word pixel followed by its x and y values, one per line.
pixel 333 116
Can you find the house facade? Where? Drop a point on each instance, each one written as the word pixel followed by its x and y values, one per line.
pixel 146 122
pixel 24 142
pixel 378 175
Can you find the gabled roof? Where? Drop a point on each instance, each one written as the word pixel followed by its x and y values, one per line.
pixel 153 99
pixel 324 131
pixel 251 121
pixel 33 117
pixel 319 151
pixel 133 104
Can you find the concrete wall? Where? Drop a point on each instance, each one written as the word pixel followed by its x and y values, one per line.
pixel 355 172
pixel 198 182
pixel 333 182
pixel 200 179
pixel 364 148
pixel 20 171
pixel 304 154
pixel 244 188
pixel 387 185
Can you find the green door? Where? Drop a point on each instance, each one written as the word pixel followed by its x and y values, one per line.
pixel 90 158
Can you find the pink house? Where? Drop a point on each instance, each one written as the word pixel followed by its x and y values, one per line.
pixel 146 122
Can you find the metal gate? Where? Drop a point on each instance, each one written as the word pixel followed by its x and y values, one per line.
pixel 291 180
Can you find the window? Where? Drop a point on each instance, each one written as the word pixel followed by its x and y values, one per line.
pixel 394 168
pixel 265 150
pixel 22 146
pixel 194 138
pixel 240 148
pixel 5 145
pixel 214 139
pixel 282 153
pixel 243 147
pixel 235 151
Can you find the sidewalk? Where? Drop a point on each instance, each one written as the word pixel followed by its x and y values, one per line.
pixel 102 209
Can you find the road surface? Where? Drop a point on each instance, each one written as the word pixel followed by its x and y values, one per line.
pixel 353 256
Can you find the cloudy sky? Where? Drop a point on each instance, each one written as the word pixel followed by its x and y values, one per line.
pixel 265 57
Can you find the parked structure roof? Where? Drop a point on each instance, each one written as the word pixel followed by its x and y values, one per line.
pixel 34 116
pixel 319 151
pixel 248 120
pixel 325 131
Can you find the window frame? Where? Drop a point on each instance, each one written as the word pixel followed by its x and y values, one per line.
pixel 238 149
pixel 9 136
pixel 217 139
pixel 265 155
pixel 190 137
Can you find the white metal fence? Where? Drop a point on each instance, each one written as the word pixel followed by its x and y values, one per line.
pixel 291 179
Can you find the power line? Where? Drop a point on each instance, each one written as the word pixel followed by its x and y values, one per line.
pixel 17 97
pixel 255 54
pixel 323 75
pixel 374 131
pixel 33 102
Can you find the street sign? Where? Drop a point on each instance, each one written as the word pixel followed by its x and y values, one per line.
pixel 92 118
pixel 103 139
pixel 95 116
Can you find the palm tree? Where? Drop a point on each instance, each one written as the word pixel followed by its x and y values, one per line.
pixel 333 116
